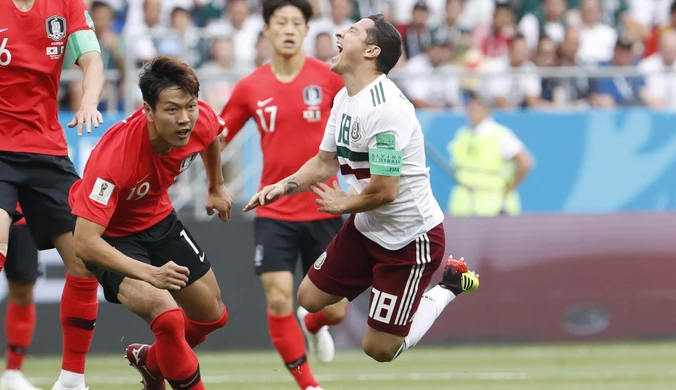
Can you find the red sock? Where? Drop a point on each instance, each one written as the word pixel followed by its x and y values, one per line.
pixel 289 342
pixel 174 355
pixel 315 321
pixel 195 334
pixel 2 261
pixel 79 307
pixel 19 326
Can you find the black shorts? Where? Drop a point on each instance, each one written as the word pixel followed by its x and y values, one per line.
pixel 280 243
pixel 22 256
pixel 166 241
pixel 41 184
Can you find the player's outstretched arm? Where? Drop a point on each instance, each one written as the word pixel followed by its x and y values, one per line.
pixel 92 88
pixel 90 247
pixel 218 197
pixel 319 168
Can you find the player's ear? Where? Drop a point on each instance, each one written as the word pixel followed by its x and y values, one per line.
pixel 148 111
pixel 372 52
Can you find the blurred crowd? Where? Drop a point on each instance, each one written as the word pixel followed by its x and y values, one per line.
pixel 496 45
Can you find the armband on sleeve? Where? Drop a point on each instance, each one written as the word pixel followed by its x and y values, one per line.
pixel 79 43
pixel 384 159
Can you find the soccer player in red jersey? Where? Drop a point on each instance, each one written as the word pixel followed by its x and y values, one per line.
pixel 36 36
pixel 22 271
pixel 129 235
pixel 290 100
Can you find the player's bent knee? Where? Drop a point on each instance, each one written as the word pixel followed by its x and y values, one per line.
pixel 279 302
pixel 379 352
pixel 20 293
pixel 144 300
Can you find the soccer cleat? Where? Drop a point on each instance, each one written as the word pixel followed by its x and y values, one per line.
pixel 457 278
pixel 321 343
pixel 58 386
pixel 136 355
pixel 15 380
pixel 313 388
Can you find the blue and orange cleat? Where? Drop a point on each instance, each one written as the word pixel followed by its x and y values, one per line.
pixel 457 278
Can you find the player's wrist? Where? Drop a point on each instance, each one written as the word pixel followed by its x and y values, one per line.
pixel 145 272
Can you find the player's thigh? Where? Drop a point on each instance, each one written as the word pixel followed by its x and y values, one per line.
pixel 144 300
pixel 110 281
pixel 22 256
pixel 201 301
pixel 400 279
pixel 9 195
pixel 170 240
pixel 277 245
pixel 316 238
pixel 344 270
pixel 44 201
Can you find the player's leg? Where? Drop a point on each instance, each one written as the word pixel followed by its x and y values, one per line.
pixel 159 309
pixel 9 195
pixel 44 202
pixel 397 317
pixel 203 310
pixel 277 250
pixel 22 272
pixel 316 238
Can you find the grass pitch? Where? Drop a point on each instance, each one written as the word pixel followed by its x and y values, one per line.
pixel 644 366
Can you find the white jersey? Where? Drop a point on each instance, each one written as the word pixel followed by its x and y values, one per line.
pixel 381 110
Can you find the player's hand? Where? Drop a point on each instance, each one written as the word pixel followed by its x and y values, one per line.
pixel 219 200
pixel 85 117
pixel 330 198
pixel 265 196
pixel 170 276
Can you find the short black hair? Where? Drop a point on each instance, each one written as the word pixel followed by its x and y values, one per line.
pixel 384 35
pixel 270 6
pixel 100 4
pixel 166 72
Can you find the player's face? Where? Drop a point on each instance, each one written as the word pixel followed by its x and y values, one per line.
pixel 286 31
pixel 174 116
pixel 352 47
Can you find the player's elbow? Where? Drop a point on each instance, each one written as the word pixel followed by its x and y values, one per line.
pixel 389 195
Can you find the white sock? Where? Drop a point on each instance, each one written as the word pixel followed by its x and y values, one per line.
pixel 69 379
pixel 431 305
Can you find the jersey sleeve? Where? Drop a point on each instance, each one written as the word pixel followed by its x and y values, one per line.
pixel 213 124
pixel 236 112
pixel 98 193
pixel 388 131
pixel 80 30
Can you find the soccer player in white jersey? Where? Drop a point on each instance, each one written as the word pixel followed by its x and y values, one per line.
pixel 394 239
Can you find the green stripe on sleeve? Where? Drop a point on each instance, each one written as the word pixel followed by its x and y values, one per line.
pixel 79 43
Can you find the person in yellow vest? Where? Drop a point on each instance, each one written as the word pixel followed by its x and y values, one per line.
pixel 489 163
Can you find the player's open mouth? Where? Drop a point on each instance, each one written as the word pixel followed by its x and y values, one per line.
pixel 183 133
pixel 340 47
pixel 289 43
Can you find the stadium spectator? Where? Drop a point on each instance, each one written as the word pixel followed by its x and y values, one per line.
pixel 478 12
pixel 493 40
pixel 660 89
pixel 486 181
pixel 514 90
pixel 547 20
pixel 242 26
pixel 183 42
pixel 217 90
pixel 451 27
pixel 619 90
pixel 575 89
pixel 648 14
pixel 436 88
pixel 263 50
pixel 138 36
pixel 324 47
pixel 597 40
pixel 339 18
pixel 652 42
pixel 545 56
pixel 416 35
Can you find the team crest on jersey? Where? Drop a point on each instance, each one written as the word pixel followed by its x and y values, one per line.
pixel 312 95
pixel 355 132
pixel 186 163
pixel 56 27
pixel 320 261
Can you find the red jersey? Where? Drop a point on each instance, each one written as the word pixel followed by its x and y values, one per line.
pixel 291 119
pixel 32 50
pixel 124 185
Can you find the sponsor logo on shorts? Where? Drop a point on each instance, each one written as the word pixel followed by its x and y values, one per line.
pixel 320 261
pixel 258 258
pixel 102 191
